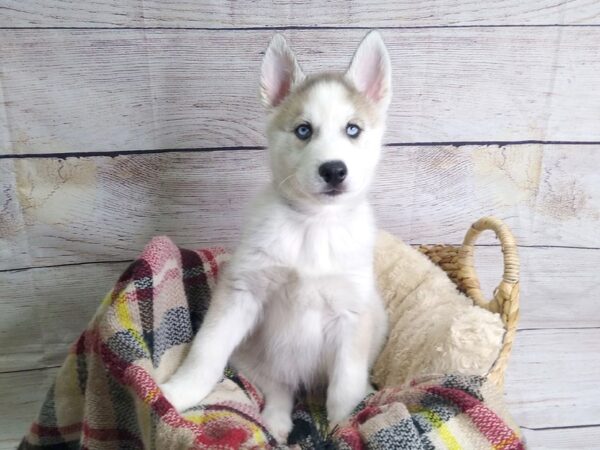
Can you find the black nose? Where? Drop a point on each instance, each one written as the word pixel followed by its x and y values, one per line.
pixel 333 172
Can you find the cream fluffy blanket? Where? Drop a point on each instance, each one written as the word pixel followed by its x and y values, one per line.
pixel 434 329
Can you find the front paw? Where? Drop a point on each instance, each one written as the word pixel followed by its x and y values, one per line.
pixel 279 424
pixel 184 393
pixel 340 408
pixel 336 416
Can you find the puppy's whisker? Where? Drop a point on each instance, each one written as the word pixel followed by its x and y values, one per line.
pixel 293 179
pixel 284 180
pixel 363 186
pixel 299 186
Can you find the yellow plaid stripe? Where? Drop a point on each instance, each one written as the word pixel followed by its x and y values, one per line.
pixel 121 306
pixel 442 429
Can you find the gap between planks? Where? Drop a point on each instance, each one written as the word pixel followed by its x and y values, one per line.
pixel 571 427
pixel 308 28
pixel 114 153
pixel 21 269
pixel 292 15
pixel 557 328
pixel 33 369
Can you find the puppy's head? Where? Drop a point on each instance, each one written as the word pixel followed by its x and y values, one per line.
pixel 325 130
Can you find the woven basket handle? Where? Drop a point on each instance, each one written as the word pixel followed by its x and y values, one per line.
pixel 510 277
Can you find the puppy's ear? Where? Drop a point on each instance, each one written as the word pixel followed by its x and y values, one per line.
pixel 280 72
pixel 370 70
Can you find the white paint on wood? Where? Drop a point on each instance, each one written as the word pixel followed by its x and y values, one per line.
pixel 22 394
pixel 105 209
pixel 43 311
pixel 559 287
pixel 14 248
pixel 5 143
pixel 584 438
pixel 552 378
pixel 231 13
pixel 107 90
pixel 21 325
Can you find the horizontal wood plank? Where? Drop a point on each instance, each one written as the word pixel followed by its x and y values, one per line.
pixel 105 209
pixel 43 311
pixel 231 13
pixel 559 287
pixel 552 378
pixel 552 381
pixel 581 438
pixel 22 394
pixel 107 90
pixel 47 308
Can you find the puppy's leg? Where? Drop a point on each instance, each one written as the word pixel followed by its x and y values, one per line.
pixel 230 317
pixel 380 328
pixel 349 370
pixel 277 413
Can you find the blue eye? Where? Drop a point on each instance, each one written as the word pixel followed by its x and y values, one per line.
pixel 303 131
pixel 353 130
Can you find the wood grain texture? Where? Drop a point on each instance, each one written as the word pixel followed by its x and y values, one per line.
pixel 14 248
pixel 22 394
pixel 105 209
pixel 559 287
pixel 47 308
pixel 231 13
pixel 43 311
pixel 584 438
pixel 552 378
pixel 117 90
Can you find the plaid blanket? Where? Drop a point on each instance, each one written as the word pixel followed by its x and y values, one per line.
pixel 106 395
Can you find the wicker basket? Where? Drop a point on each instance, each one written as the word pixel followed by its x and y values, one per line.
pixel 457 262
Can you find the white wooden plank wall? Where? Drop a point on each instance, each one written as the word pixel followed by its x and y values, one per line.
pixel 120 120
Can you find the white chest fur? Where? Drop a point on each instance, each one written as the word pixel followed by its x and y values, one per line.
pixel 319 275
pixel 336 240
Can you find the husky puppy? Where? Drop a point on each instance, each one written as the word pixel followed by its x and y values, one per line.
pixel 297 305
